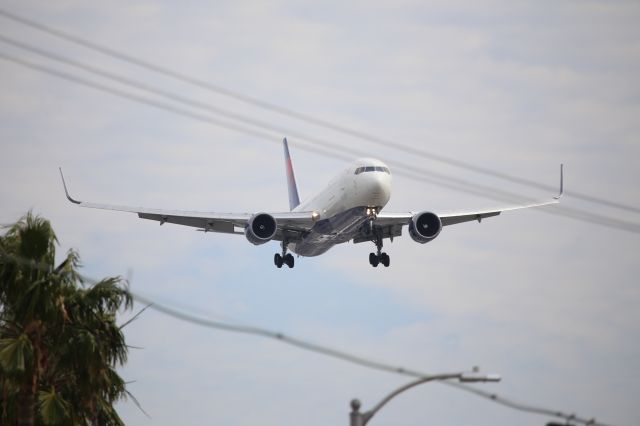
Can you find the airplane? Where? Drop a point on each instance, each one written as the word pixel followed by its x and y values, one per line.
pixel 348 209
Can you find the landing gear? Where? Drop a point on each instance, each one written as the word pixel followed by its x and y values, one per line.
pixel 288 259
pixel 385 260
pixel 280 260
pixel 379 256
pixel 284 258
pixel 382 258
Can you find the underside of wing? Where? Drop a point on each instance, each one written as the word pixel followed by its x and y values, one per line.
pixel 468 216
pixel 385 219
pixel 390 225
pixel 289 225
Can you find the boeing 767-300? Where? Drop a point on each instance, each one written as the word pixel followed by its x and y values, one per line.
pixel 349 208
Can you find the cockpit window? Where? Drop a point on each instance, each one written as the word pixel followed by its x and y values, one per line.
pixel 364 169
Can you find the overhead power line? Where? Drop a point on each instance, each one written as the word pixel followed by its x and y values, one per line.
pixel 402 168
pixel 313 347
pixel 323 350
pixel 160 105
pixel 354 359
pixel 301 116
pixel 339 151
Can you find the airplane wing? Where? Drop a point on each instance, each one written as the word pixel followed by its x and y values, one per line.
pixel 385 219
pixel 390 224
pixel 290 224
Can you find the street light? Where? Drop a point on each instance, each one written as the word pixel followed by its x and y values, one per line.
pixel 361 419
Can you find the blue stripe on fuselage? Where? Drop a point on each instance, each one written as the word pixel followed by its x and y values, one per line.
pixel 328 232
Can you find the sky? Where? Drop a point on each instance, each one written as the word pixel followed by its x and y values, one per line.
pixel 547 301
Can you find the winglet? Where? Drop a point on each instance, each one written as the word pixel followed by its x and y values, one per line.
pixel 561 183
pixel 294 200
pixel 64 184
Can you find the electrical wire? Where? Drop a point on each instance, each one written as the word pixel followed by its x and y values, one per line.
pixel 303 117
pixel 319 349
pixel 354 359
pixel 401 168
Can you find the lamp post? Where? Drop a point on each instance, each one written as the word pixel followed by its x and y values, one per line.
pixel 358 418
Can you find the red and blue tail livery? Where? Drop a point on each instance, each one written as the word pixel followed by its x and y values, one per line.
pixel 294 199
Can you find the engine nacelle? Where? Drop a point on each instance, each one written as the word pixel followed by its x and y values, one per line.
pixel 260 229
pixel 424 227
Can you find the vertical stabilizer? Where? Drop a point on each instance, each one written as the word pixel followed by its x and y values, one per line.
pixel 294 200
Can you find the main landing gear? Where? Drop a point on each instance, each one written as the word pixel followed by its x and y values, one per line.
pixel 379 256
pixel 284 258
pixel 376 259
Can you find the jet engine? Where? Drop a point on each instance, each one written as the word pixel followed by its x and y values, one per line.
pixel 261 228
pixel 424 227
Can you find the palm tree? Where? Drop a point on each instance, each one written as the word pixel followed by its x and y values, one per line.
pixel 59 342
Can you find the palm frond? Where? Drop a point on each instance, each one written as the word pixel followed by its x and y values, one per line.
pixel 53 408
pixel 16 354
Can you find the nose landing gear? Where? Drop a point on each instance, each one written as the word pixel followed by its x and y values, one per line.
pixel 284 258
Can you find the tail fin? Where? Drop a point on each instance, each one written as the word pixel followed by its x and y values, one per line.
pixel 294 200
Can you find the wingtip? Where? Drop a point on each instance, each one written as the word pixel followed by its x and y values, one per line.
pixel 66 191
pixel 561 182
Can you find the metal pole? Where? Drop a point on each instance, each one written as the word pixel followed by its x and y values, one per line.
pixel 355 415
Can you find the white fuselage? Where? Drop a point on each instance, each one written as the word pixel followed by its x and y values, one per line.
pixel 350 199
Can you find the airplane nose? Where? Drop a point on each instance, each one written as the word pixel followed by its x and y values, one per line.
pixel 379 186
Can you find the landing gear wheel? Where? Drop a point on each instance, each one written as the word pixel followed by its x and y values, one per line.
pixel 288 260
pixel 373 259
pixel 278 260
pixel 385 260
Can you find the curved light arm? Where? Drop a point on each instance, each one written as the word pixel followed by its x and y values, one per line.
pixel 366 416
pixel 361 419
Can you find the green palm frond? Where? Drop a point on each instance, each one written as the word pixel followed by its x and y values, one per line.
pixel 16 354
pixel 57 332
pixel 53 408
pixel 37 239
